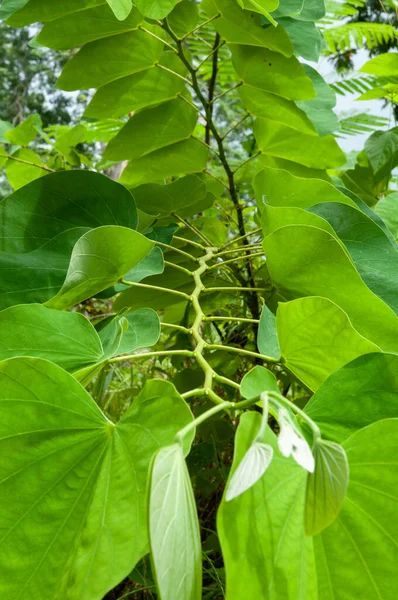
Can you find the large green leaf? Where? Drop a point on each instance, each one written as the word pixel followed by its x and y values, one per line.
pixel 188 156
pixel 275 217
pixel 387 209
pixel 140 90
pixel 362 392
pixel 159 199
pixel 47 10
pixel 267 338
pixel 306 261
pixel 306 37
pixel 356 555
pixel 382 151
pixel 320 109
pixel 71 31
pixel 142 331
pixel 272 72
pixel 309 150
pixel 105 60
pixel 326 486
pixel 99 259
pixel 8 7
pixel 65 469
pixel 174 528
pixel 384 65
pixel 266 552
pixel 155 9
pixel 184 17
pixel 239 26
pixel 317 338
pixel 374 254
pixel 121 8
pixel 257 381
pixel 152 129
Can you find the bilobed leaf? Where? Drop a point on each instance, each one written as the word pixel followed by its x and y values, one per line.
pixel 140 90
pixel 280 563
pixel 256 381
pixel 174 528
pixel 65 468
pixel 251 468
pixel 306 261
pixel 71 31
pixel 382 151
pixel 384 65
pixel 152 129
pixel 188 156
pixel 309 150
pixel 272 72
pixel 106 60
pixel 353 552
pixel 317 338
pixel 360 393
pixel 267 337
pixel 326 486
pixel 155 9
pixel 99 259
pixel 121 8
pixel 67 339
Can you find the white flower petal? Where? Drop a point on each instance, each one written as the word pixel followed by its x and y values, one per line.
pixel 287 435
pixel 302 454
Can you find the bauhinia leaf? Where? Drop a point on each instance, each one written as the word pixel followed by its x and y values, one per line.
pixel 251 468
pixel 257 381
pixel 326 486
pixel 121 8
pixel 174 528
pixel 267 337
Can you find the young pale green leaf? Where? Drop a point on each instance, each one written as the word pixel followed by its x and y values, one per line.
pixel 152 129
pixel 256 381
pixel 188 156
pixel 65 468
pixel 140 90
pixel 71 31
pixel 357 395
pixel 121 8
pixel 382 151
pixel 305 261
pixel 174 528
pixel 272 72
pixel 374 254
pixel 106 60
pixel 67 339
pixel 267 337
pixel 21 173
pixel 317 338
pixel 155 9
pixel 142 330
pixel 326 486
pixel 268 556
pixel 356 554
pixel 251 468
pixel 25 132
pixel 99 259
pixel 387 209
pixel 384 65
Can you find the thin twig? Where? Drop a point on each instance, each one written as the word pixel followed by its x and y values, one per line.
pixel 233 260
pixel 240 319
pixel 179 327
pixel 187 241
pixel 241 237
pixel 186 353
pixel 26 162
pixel 194 229
pixel 236 125
pixel 182 252
pixel 157 38
pixel 231 89
pixel 200 26
pixel 248 160
pixel 156 288
pixel 173 73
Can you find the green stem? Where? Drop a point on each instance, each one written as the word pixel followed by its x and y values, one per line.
pixel 179 327
pixel 243 320
pixel 144 355
pixel 178 267
pixel 222 379
pixel 238 239
pixel 234 350
pixel 174 73
pixel 253 247
pixel 182 252
pixel 200 26
pixel 201 419
pixel 187 241
pixel 233 260
pixel 193 229
pixel 157 38
pixel 26 162
pixel 234 289
pixel 314 427
pixel 195 392
pixel 156 288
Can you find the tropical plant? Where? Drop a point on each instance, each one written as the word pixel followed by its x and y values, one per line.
pixel 198 363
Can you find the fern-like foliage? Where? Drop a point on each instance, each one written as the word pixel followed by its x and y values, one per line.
pixel 361 123
pixel 351 36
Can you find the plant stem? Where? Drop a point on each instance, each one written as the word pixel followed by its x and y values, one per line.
pixel 314 427
pixel 231 89
pixel 178 267
pixel 243 320
pixel 203 417
pixel 144 355
pixel 182 252
pixel 246 161
pixel 238 239
pixel 174 73
pixel 187 241
pixel 236 126
pixel 233 260
pixel 233 289
pixel 212 84
pixel 157 38
pixel 26 162
pixel 195 392
pixel 199 26
pixel 226 380
pixel 243 352
pixel 193 229
pixel 157 288
pixel 179 327
pixel 248 248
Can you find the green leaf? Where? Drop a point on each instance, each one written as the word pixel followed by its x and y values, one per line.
pixel 384 65
pixel 374 254
pixel 268 556
pixel 256 381
pixel 317 338
pixel 267 338
pixel 387 209
pixel 143 89
pixel 106 60
pixel 20 174
pixel 159 199
pixel 121 8
pixel 65 468
pixel 275 217
pixel 188 156
pixel 155 9
pixel 347 564
pixel 99 259
pixel 152 129
pixel 262 6
pixel 184 17
pixel 306 38
pixel 71 31
pixel 4 127
pixel 24 133
pixel 357 395
pixel 305 261
pixel 142 331
pixel 309 150
pixel 272 72
pixel 174 528
pixel 8 7
pixel 326 486
pixel 269 106
pixel 239 26
pixel 67 339
pixel 320 109
pixel 287 8
pixel 382 151
pixel 47 10
pixel 251 468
